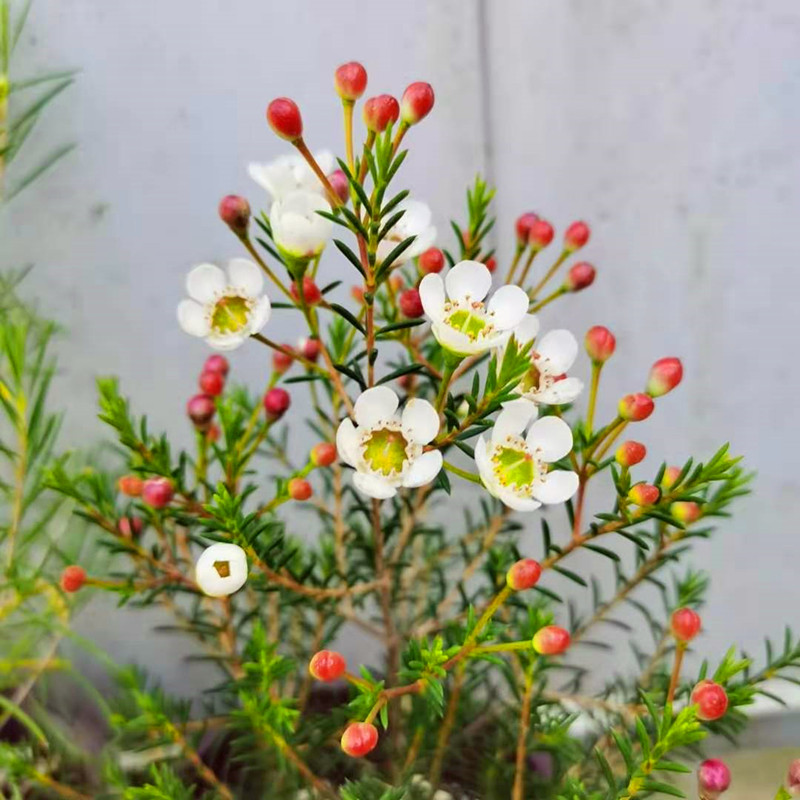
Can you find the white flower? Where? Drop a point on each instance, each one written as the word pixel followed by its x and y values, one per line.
pixel 514 469
pixel 547 382
pixel 221 569
pixel 291 173
pixel 296 227
pixel 415 222
pixel 386 448
pixel 224 309
pixel 461 321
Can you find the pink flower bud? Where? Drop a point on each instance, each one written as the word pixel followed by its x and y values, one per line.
pixel 523 227
pixel 524 574
pixel 576 236
pixel 491 263
pixel 600 344
pixel 157 492
pixel 432 260
pixel 217 363
pixel 323 454
pixel 551 640
pixel 311 292
pixel 541 234
pixel 350 81
pixel 580 276
pixel 416 103
pixel 685 511
pixel 309 348
pixel 327 665
pixel 200 409
pixel 644 494
pixel 284 118
pixel 281 361
pixel 130 527
pixel 713 778
pixel 636 407
pixel 711 700
pixel 299 489
pixel 234 211
pixel 211 383
pixel 380 112
pixel 793 777
pixel 276 403
pixel 338 180
pixel 630 453
pixel 670 477
pixel 665 375
pixel 73 578
pixel 411 304
pixel 685 624
pixel 359 739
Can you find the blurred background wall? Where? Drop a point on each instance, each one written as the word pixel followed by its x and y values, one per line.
pixel 672 126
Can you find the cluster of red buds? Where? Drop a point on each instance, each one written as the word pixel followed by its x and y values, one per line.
pixel 202 407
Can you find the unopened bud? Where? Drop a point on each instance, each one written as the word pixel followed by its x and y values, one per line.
pixel 644 494
pixel 664 376
pixel 551 640
pixel 524 574
pixel 309 348
pixel 411 304
pixel 670 477
pixel 73 578
pixel 713 778
pixel 281 361
pixel 338 180
pixel 350 81
pixel 327 665
pixel 793 777
pixel 491 263
pixel 130 485
pixel 211 383
pixel 234 211
pixel 284 118
pixel 311 292
pixel 576 236
pixel 323 454
pixel 630 453
pixel 299 489
pixel 432 260
pixel 217 363
pixel 580 276
pixel 417 102
pixel 685 624
pixel 130 527
pixel 523 227
pixel 685 511
pixel 540 234
pixel 636 407
pixel 276 403
pixel 157 492
pixel 200 410
pixel 380 112
pixel 600 344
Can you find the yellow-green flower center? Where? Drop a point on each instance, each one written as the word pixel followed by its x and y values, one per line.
pixel 514 468
pixel 467 322
pixel 223 568
pixel 230 314
pixel 385 451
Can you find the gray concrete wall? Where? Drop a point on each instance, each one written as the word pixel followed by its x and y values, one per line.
pixel 671 125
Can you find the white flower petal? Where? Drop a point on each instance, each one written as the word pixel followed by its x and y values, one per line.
pixel 205 282
pixel 513 419
pixel 561 392
pixel 192 318
pixel 483 461
pixel 516 502
pixel 226 556
pixel 373 486
pixel 509 305
pixel 245 276
pixel 457 342
pixel 557 350
pixel 423 469
pixel 556 487
pixel 431 293
pixel 347 442
pixel 469 279
pixel 227 341
pixel 260 314
pixel 424 240
pixel 552 436
pixel 375 405
pixel 527 329
pixel 420 421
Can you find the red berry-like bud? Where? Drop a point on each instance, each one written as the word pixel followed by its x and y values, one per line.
pixel 281 361
pixel 523 575
pixel 323 454
pixel 685 511
pixel 644 494
pixel 411 304
pixel 523 227
pixel 277 402
pixel 213 433
pixel 491 263
pixel 684 624
pixel 416 103
pixel 130 527
pixel 211 383
pixel 309 348
pixel 665 375
pixel 793 777
pixel 327 665
pixel 432 260
pixel 311 292
pixel 600 344
pixel 338 180
pixel 713 778
pixel 73 578
pixel 234 211
pixel 130 485
pixel 630 453
pixel 201 409
pixel 380 112
pixel 299 489
pixel 670 477
pixel 217 363
pixel 359 739
pixel 580 276
pixel 157 492
pixel 350 81
pixel 636 407
pixel 284 118
pixel 540 234
pixel 711 699
pixel 551 640
pixel 576 236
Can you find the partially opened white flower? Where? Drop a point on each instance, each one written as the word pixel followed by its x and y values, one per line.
pixel 461 322
pixel 415 222
pixel 290 173
pixel 224 307
pixel 297 228
pixel 515 469
pixel 547 382
pixel 221 569
pixel 386 448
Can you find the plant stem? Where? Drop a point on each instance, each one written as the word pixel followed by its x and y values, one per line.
pixel 447 727
pixel 550 272
pixel 676 671
pixel 597 367
pixel 462 473
pixel 447 376
pixel 245 240
pixel 522 737
pixel 333 198
pixel 549 299
pixel 514 263
pixel 347 107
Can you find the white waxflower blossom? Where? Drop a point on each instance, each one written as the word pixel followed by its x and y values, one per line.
pixel 225 307
pixel 290 173
pixel 385 447
pixel 547 382
pixel 221 569
pixel 297 228
pixel 515 469
pixel 461 322
pixel 415 222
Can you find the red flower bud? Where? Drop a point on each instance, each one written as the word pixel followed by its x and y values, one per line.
pixel 644 494
pixel 311 292
pixel 327 665
pixel 350 81
pixel 380 112
pixel 211 383
pixel 630 453
pixel 665 375
pixel 284 118
pixel 157 492
pixel 524 574
pixel 323 454
pixel 491 263
pixel 713 778
pixel 540 234
pixel 432 260
pixel 130 527
pixel 234 211
pixel 217 363
pixel 551 640
pixel 309 348
pixel 300 489
pixel 212 434
pixel 416 103
pixel 636 407
pixel 685 511
pixel 576 236
pixel 670 477
pixel 359 739
pixel 281 361
pixel 130 485
pixel 793 777
pixel 410 304
pixel 580 276
pixel 523 227
pixel 73 578
pixel 276 403
pixel 685 624
pixel 600 344
pixel 201 409
pixel 338 180
pixel 711 699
